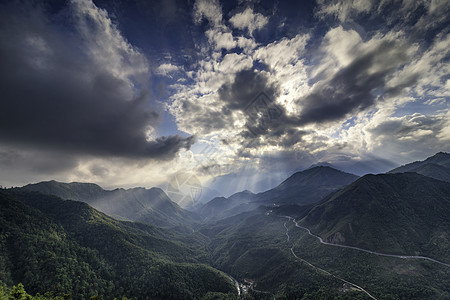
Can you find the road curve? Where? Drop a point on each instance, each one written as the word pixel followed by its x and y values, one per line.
pixel 365 250
pixel 287 231
pixel 236 283
pixel 324 271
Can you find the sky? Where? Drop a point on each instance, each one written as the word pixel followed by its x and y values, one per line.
pixel 239 94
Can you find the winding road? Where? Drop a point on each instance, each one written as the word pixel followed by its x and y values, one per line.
pixel 365 250
pixel 236 283
pixel 322 270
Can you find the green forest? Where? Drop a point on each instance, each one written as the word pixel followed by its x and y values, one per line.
pixel 52 248
pixel 67 247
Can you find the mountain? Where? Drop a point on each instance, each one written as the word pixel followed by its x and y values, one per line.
pixel 302 188
pixel 404 213
pixel 372 165
pixel 434 171
pixel 266 249
pixel 369 165
pixel 85 192
pixel 65 246
pixel 307 187
pixel 151 206
pixel 252 247
pixel 441 159
pixel 321 164
pixel 249 178
pixel 221 207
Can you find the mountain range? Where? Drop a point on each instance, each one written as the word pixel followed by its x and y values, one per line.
pixel 56 245
pixel 436 166
pixel 301 188
pixel 404 213
pixel 386 235
pixel 151 206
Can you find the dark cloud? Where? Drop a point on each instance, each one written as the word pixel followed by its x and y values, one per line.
pixel 99 170
pixel 252 93
pixel 246 86
pixel 211 169
pixel 416 134
pixel 35 162
pixel 357 86
pixel 406 126
pixel 205 118
pixel 54 95
pixel 354 88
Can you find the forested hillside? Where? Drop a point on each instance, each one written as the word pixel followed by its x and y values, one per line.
pixel 68 247
pixel 151 206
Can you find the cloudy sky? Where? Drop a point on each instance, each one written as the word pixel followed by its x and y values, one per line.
pixel 240 93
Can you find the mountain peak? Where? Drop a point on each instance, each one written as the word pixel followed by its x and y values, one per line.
pixel 323 167
pixel 436 166
pixel 308 186
pixel 383 203
pixel 321 164
pixel 151 206
pixel 440 156
pixel 318 171
pixel 442 153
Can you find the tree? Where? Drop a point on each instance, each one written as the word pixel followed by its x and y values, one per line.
pixel 18 292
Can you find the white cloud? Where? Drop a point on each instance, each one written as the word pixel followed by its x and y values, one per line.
pixel 409 134
pixel 167 68
pixel 221 38
pixel 437 13
pixel 341 45
pixel 396 70
pixel 444 133
pixel 89 107
pixel 285 60
pixel 106 46
pixel 282 53
pixel 209 9
pixel 249 20
pixel 343 10
pixel 432 68
pixel 246 44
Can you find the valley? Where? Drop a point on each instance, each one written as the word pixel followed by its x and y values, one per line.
pixel 379 236
pixel 357 287
pixel 224 150
pixel 365 250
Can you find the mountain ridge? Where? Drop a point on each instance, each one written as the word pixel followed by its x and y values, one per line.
pixel 404 213
pixel 304 187
pixel 151 206
pixel 440 158
pixel 51 244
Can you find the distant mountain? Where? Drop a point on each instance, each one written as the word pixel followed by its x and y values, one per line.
pixel 307 187
pixel 150 206
pixel 434 171
pixel 221 207
pixel 440 158
pixel 370 165
pixel 373 165
pixel 302 188
pixel 403 213
pixel 321 164
pixel 436 166
pixel 249 178
pixel 50 244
